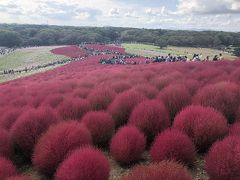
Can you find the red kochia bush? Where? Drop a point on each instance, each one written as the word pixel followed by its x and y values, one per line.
pixel 84 164
pixel 204 125
pixel 9 117
pixel 165 170
pixel 151 117
pixel 237 115
pixel 53 100
pixel 7 168
pixel 30 126
pixel 101 97
pixel 5 144
pixel 73 109
pixel 81 92
pixel 18 178
pixel 223 159
pixel 56 143
pixel 120 86
pixel 235 129
pixel 123 105
pixel 173 145
pixel 148 90
pixel 127 145
pixel 101 126
pixel 223 96
pixel 175 98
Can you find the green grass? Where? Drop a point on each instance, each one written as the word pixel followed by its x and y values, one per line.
pixel 151 51
pixel 28 57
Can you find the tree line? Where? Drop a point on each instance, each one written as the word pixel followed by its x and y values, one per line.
pixel 14 35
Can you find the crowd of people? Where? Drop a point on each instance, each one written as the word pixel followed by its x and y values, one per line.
pixel 6 51
pixel 94 52
pixel 117 59
pixel 131 59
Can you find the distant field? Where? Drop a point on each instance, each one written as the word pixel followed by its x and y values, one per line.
pixel 27 57
pixel 151 51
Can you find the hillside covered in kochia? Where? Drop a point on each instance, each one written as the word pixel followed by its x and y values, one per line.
pixel 40 35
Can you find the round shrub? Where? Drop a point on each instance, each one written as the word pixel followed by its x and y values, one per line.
pixel 101 97
pixel 81 92
pixel 175 98
pixel 148 90
pixel 53 100
pixel 9 117
pixel 173 145
pixel 101 126
pixel 204 125
pixel 5 144
pixel 165 170
pixel 18 178
pixel 222 96
pixel 127 145
pixel 56 143
pixel 161 82
pixel 26 131
pixel 235 129
pixel 120 86
pixel 223 159
pixel 237 115
pixel 84 164
pixel 73 109
pixel 151 117
pixel 7 168
pixel 123 104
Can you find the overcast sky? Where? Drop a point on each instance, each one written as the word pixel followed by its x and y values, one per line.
pixel 167 14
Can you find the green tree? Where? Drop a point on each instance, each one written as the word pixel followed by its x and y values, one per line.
pixel 236 52
pixel 162 43
pixel 10 39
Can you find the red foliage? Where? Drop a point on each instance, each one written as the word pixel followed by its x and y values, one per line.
pixel 151 117
pixel 127 145
pixel 26 131
pixel 223 159
pixel 56 143
pixel 120 86
pixel 161 82
pixel 101 97
pixel 101 126
pixel 123 105
pixel 73 108
pixel 204 125
pixel 165 170
pixel 81 92
pixel 148 90
pixel 175 98
pixel 53 100
pixel 9 117
pixel 7 168
pixel 223 96
pixel 70 51
pixel 173 145
pixel 237 115
pixel 235 129
pixel 5 144
pixel 84 164
pixel 18 178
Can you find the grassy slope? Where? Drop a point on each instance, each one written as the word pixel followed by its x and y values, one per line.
pixel 151 50
pixel 26 58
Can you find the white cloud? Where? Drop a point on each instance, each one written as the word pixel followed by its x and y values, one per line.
pixel 188 14
pixel 208 6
